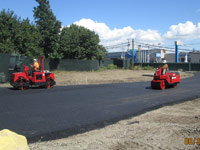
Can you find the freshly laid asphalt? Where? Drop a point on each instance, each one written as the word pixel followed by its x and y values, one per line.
pixel 44 114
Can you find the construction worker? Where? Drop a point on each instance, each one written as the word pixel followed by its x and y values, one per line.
pixel 35 65
pixel 164 67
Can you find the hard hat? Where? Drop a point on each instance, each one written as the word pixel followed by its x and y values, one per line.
pixel 164 61
pixel 34 59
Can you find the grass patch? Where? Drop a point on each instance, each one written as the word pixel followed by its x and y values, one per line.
pixel 109 67
pixel 141 68
pixel 137 68
pixel 148 68
pixel 180 70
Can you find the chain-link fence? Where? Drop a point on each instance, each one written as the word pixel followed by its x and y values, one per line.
pixel 10 63
pixel 78 65
pixel 175 66
pixel 4 64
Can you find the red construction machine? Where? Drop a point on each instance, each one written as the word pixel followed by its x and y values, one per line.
pixel 161 81
pixel 41 78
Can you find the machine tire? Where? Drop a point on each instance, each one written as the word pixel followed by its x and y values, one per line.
pixel 49 83
pixel 155 85
pixel 162 85
pixel 22 86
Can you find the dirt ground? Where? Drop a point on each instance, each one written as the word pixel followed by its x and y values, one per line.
pixel 162 129
pixel 106 76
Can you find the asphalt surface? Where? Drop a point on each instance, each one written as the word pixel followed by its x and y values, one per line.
pixel 44 114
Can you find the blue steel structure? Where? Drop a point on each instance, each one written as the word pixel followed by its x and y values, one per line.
pixel 130 54
pixel 176 52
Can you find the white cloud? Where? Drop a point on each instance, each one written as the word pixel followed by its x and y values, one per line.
pixel 186 31
pixel 116 36
pixel 182 31
pixel 149 35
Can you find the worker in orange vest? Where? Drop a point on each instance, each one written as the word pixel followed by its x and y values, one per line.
pixel 35 65
pixel 164 67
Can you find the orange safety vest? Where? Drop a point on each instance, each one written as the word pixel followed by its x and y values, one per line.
pixel 36 66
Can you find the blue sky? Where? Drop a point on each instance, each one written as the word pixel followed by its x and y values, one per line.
pixel 116 20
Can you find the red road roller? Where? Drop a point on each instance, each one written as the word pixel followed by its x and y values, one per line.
pixel 162 81
pixel 41 78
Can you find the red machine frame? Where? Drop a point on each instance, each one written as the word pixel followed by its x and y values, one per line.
pixel 22 80
pixel 161 81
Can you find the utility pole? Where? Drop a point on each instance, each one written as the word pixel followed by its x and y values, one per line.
pixel 128 51
pixel 132 52
pixel 148 59
pixel 124 59
pixel 128 44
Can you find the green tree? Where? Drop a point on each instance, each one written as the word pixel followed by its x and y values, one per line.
pixel 28 40
pixel 80 43
pixel 49 28
pixel 18 36
pixel 9 29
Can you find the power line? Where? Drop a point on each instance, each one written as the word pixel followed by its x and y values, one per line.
pixel 147 45
pixel 116 45
pixel 193 44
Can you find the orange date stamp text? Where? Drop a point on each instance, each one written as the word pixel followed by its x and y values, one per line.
pixel 192 141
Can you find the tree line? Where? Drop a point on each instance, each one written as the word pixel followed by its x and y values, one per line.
pixel 46 37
